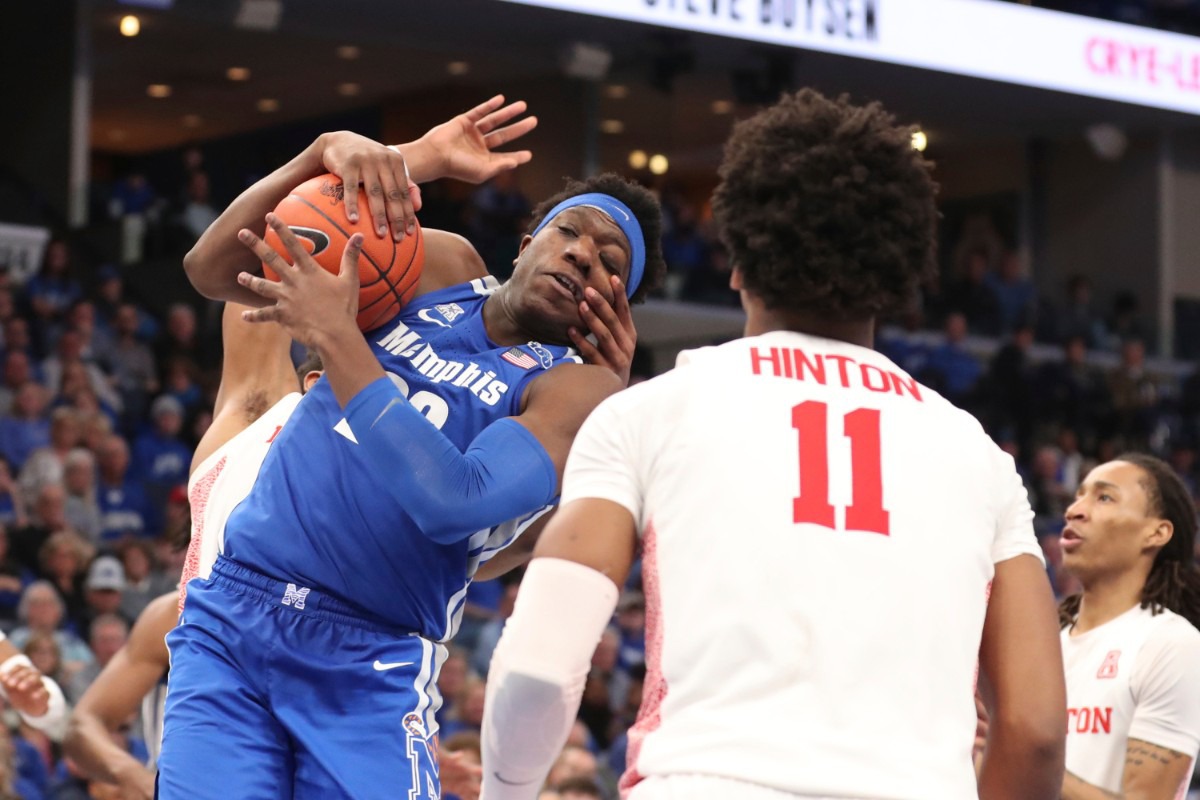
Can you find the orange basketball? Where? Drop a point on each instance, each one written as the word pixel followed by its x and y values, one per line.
pixel 388 271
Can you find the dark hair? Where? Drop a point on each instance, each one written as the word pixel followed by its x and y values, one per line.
pixel 311 363
pixel 643 205
pixel 826 207
pixel 1174 580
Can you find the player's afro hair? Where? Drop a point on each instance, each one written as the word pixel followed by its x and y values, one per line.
pixel 643 205
pixel 827 208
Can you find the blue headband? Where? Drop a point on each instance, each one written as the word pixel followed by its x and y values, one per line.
pixel 619 213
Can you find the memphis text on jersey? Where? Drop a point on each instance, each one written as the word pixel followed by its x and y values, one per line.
pixel 827 368
pixel 407 343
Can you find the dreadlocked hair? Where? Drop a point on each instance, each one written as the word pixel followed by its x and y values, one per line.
pixel 1174 580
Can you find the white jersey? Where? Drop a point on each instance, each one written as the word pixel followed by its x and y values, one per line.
pixel 1134 677
pixel 222 481
pixel 819 536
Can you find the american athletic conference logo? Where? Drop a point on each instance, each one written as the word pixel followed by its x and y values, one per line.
pixel 543 354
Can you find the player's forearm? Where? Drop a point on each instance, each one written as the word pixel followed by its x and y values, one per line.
pixel 504 474
pixel 1021 764
pixel 89 744
pixel 213 263
pixel 424 162
pixel 1075 788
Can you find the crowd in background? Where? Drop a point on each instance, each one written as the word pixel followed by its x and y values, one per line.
pixel 105 390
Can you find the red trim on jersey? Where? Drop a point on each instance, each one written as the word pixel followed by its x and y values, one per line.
pixel 655 687
pixel 198 498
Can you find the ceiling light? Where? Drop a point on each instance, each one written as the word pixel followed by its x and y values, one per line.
pixel 348 52
pixel 612 126
pixel 458 68
pixel 638 159
pixel 659 164
pixel 191 120
pixel 130 25
pixel 722 107
pixel 238 74
pixel 158 90
pixel 349 89
pixel 616 91
pixel 267 105
pixel 920 141
pixel 258 15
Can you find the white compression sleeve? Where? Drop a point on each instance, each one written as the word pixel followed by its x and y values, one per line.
pixel 538 673
pixel 54 722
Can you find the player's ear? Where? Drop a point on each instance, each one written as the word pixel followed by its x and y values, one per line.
pixel 1160 534
pixel 525 240
pixel 311 377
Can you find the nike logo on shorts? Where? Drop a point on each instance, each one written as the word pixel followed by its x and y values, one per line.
pixel 380 666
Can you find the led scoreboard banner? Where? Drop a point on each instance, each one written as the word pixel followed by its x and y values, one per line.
pixel 980 38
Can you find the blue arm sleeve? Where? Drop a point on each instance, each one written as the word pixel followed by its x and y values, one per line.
pixel 450 495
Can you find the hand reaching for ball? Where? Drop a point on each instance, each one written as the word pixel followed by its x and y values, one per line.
pixel 312 304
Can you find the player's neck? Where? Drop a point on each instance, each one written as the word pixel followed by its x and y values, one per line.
pixel 501 321
pixel 763 320
pixel 1108 597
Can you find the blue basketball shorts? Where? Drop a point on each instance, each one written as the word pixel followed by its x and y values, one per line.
pixel 278 692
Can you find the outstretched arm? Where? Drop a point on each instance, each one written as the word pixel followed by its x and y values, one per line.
pixel 463 148
pixel 114 697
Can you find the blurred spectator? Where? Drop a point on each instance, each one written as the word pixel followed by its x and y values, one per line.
pixel 467 714
pixel 43 650
pixel 687 256
pixel 953 370
pixel 22 774
pixel 903 345
pixel 180 338
pixel 94 429
pixel 136 205
pixel 62 561
pixel 579 789
pixel 14 577
pixel 631 622
pixel 102 591
pixel 26 427
pixel 1014 292
pixel 17 372
pixel 124 510
pixel 198 213
pixel 1125 322
pixel 573 762
pixel 971 295
pixel 1072 393
pixel 79 480
pixel 481 606
pixel 12 502
pixel 469 746
pixel 160 457
pixel 1009 387
pixel 49 515
pixel 144 580
pixel 1134 395
pixel 66 372
pixel 52 292
pixel 93 338
pixel 106 636
pixel 17 338
pixel 110 291
pixel 42 612
pixel 131 364
pixel 1077 317
pixel 46 464
pixel 497 215
pixel 595 707
pixel 1047 494
pixel 180 382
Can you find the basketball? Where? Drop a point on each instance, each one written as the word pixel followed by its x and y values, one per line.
pixel 388 271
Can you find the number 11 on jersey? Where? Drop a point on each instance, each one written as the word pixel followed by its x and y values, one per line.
pixel 861 427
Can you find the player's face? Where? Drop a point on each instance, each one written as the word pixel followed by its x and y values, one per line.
pixel 1109 523
pixel 578 249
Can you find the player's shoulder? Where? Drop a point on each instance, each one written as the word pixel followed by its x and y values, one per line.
pixel 450 260
pixel 1168 629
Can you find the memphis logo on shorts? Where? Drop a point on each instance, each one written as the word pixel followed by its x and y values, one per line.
pixel 519 357
pixel 295 596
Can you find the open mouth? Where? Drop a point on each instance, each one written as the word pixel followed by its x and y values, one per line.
pixel 569 286
pixel 1070 539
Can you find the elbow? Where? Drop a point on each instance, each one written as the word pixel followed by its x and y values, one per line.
pixel 1042 738
pixel 193 267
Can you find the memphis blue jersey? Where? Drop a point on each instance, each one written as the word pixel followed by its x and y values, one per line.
pixel 318 515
